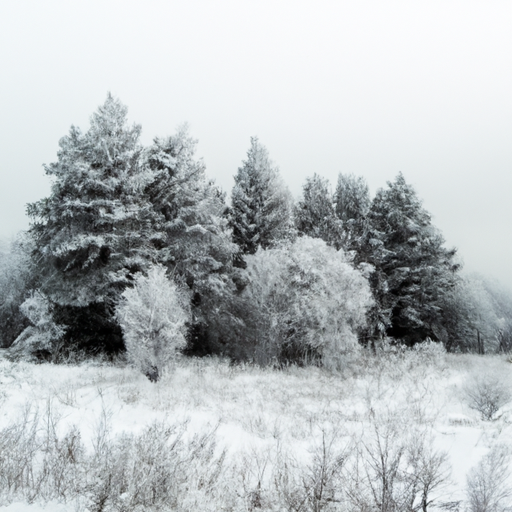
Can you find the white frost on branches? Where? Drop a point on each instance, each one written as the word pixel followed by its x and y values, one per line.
pixel 43 333
pixel 152 316
pixel 309 300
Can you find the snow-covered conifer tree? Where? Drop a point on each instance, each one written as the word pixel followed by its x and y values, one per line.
pixel 315 214
pixel 191 232
pixel 261 205
pixel 413 270
pixel 92 232
pixel 352 203
pixel 114 209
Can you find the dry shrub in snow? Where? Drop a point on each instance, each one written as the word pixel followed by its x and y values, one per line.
pixel 307 301
pixel 35 461
pixel 323 480
pixel 487 394
pixel 152 316
pixel 156 469
pixel 277 479
pixel 488 483
pixel 397 469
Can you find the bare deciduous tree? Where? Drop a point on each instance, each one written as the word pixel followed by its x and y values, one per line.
pixel 488 483
pixel 396 469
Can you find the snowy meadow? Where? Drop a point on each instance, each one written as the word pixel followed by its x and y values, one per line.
pixel 396 431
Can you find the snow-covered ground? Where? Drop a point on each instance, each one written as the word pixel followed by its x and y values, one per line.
pixel 262 417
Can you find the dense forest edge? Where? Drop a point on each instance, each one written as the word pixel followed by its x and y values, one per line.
pixel 136 252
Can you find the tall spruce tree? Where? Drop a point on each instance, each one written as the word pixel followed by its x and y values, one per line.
pixel 261 205
pixel 315 213
pixel 352 204
pixel 117 208
pixel 92 233
pixel 191 234
pixel 414 272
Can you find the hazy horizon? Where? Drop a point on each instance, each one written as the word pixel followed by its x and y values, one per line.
pixel 368 88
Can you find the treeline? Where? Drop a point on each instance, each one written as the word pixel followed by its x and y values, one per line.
pixel 264 279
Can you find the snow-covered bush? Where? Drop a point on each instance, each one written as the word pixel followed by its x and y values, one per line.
pixel 152 316
pixel 43 335
pixel 307 301
pixel 487 394
pixel 430 350
pixel 158 468
pixel 16 280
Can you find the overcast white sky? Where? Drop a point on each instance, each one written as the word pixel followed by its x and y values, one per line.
pixel 364 87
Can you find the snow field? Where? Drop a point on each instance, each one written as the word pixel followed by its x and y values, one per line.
pixel 267 421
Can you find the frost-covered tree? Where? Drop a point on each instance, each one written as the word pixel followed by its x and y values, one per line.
pixel 502 298
pixel 115 208
pixel 478 316
pixel 152 316
pixel 39 338
pixel 306 300
pixel 414 272
pixel 315 213
pixel 92 233
pixel 17 277
pixel 191 233
pixel 261 205
pixel 479 323
pixel 352 204
pixel 488 483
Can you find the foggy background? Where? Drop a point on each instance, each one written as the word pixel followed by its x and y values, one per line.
pixel 370 88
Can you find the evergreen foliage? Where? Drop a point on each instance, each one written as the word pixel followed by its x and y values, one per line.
pixel 315 214
pixel 352 204
pixel 261 206
pixel 191 233
pixel 91 234
pixel 116 209
pixel 414 272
